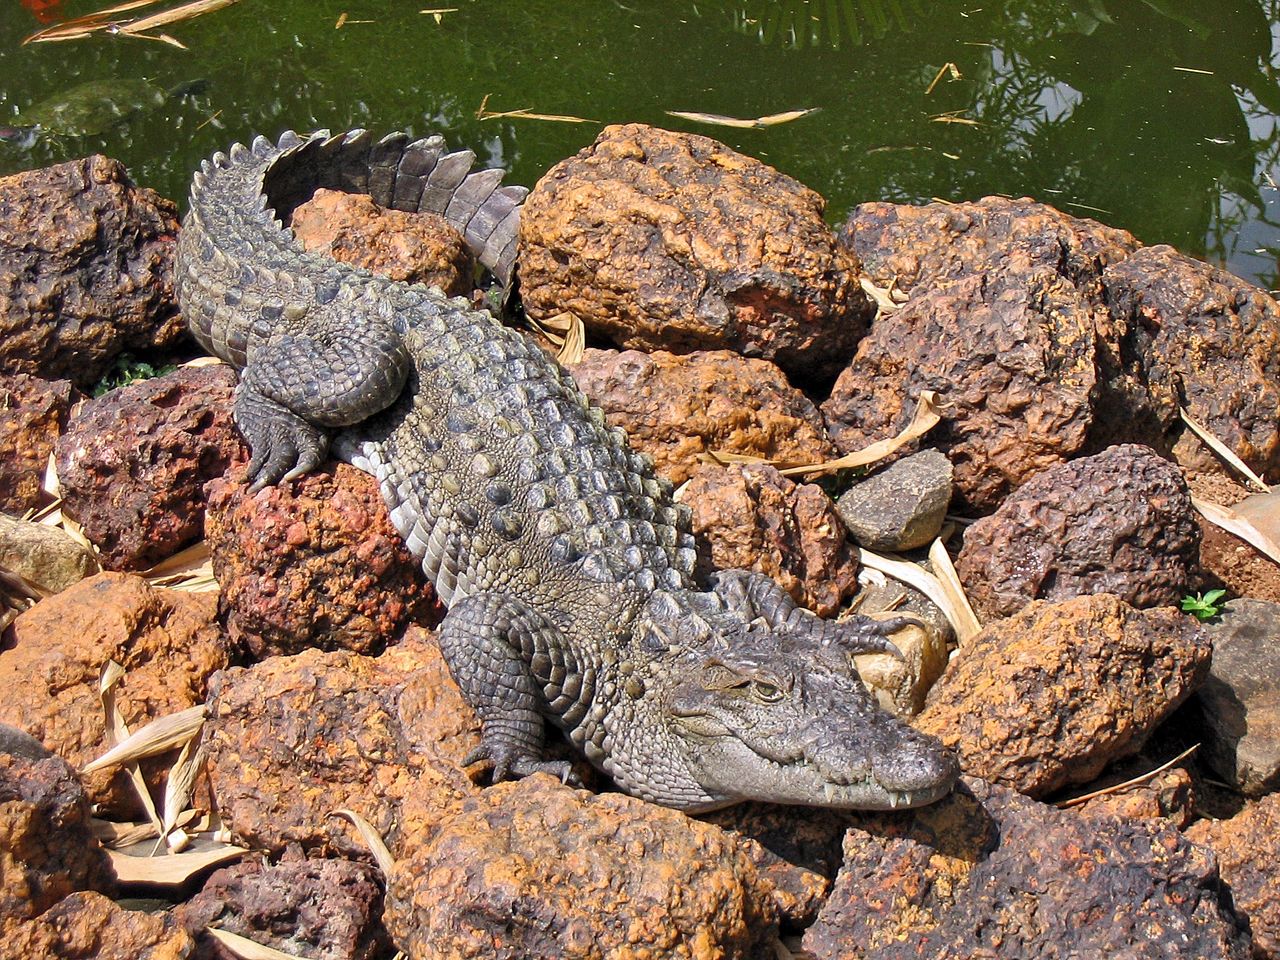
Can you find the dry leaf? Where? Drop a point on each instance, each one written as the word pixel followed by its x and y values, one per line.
pixel 372 839
pixel 1233 523
pixel 184 12
pixel 914 575
pixel 156 737
pixel 245 948
pixel 173 869
pixel 965 622
pixel 759 123
pixel 1222 450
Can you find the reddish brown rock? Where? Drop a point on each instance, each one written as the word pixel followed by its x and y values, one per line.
pixel 537 869
pixel 672 241
pixel 921 246
pixel 1250 862
pixel 320 909
pixel 47 847
pixel 1118 522
pixel 1013 357
pixel 410 247
pixel 32 415
pixel 292 739
pixel 989 873
pixel 1050 696
pixel 312 563
pixel 677 408
pixel 167 641
pixel 1207 342
pixel 88 926
pixel 133 463
pixel 86 270
pixel 756 519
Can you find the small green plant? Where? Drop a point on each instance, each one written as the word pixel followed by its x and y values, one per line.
pixel 127 370
pixel 1204 606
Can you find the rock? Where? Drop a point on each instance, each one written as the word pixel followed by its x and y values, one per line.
pixel 86 270
pixel 35 412
pixel 677 408
pixel 133 463
pixel 88 926
pixel 1118 522
pixel 312 563
pixel 1014 358
pixel 539 870
pixel 291 739
pixel 320 909
pixel 412 248
pixel 900 685
pixel 46 557
pixel 1169 796
pixel 1050 696
pixel 1206 341
pixel 1250 863
pixel 47 847
pixel 900 507
pixel 923 246
pixel 671 241
pixel 989 873
pixel 167 641
pixel 19 743
pixel 756 519
pixel 1241 696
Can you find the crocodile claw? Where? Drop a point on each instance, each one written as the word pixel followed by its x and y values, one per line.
pixel 861 634
pixel 510 764
pixel 283 445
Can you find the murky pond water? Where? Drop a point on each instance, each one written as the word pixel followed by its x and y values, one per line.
pixel 1159 116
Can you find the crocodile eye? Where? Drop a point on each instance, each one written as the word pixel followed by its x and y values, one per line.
pixel 767 692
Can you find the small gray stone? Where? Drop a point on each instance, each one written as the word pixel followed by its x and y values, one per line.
pixel 901 507
pixel 1241 698
pixel 46 557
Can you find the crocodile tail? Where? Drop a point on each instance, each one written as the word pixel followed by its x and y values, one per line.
pixel 415 176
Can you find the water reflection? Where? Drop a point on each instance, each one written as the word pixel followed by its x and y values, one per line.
pixel 1154 115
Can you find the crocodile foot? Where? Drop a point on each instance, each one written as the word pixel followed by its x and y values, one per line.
pixel 283 445
pixel 508 763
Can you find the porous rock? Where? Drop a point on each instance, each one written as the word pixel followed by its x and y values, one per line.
pixel 677 408
pixel 167 641
pixel 1225 559
pixel 88 926
pixel 320 909
pixel 312 563
pixel 46 557
pixel 1208 342
pixel 661 240
pixel 1050 696
pixel 1240 699
pixel 1250 863
pixel 754 518
pixel 86 270
pixel 900 507
pixel 292 739
pixel 34 412
pixel 1118 522
pixel 47 847
pixel 409 247
pixel 989 873
pixel 539 870
pixel 133 463
pixel 1169 795
pixel 1013 357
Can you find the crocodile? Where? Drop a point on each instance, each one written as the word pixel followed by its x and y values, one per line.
pixel 567 567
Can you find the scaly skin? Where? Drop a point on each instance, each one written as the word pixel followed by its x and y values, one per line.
pixel 567 568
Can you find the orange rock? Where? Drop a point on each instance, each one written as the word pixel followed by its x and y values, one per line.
pixel 167 641
pixel 1051 695
pixel 88 926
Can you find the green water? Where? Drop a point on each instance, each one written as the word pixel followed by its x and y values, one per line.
pixel 1156 116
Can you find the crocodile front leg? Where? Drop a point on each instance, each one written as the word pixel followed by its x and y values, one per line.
pixel 488 642
pixel 753 595
pixel 294 386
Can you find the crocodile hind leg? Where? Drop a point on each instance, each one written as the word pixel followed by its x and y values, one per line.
pixel 295 386
pixel 753 595
pixel 487 640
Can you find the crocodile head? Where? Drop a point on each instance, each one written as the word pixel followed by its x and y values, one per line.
pixel 763 716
